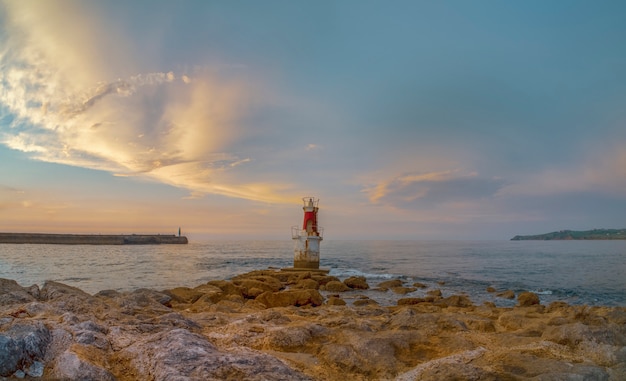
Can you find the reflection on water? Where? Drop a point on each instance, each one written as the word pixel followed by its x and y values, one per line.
pixel 591 272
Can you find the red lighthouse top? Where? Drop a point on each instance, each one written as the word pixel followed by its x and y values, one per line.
pixel 310 215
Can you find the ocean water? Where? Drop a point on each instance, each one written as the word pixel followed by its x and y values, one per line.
pixel 577 272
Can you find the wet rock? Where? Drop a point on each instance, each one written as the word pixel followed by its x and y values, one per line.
pixel 419 285
pixel 457 301
pixel 336 286
pixel 322 280
pixel 335 301
pixel 390 283
pixel 436 293
pixel 357 282
pixel 490 289
pixel 410 301
pixel 526 299
pixel 508 294
pixel 403 290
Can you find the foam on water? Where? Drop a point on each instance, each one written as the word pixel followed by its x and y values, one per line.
pixel 578 272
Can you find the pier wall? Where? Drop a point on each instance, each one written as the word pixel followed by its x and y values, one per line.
pixel 92 239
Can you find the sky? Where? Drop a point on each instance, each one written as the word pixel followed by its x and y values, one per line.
pixel 407 119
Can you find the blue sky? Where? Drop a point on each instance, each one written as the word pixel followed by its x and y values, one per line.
pixel 408 119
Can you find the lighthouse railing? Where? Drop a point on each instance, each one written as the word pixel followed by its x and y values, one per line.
pixel 311 201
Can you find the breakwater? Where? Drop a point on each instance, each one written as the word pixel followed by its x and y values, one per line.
pixel 92 239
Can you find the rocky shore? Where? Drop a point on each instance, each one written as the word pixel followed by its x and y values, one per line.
pixel 281 325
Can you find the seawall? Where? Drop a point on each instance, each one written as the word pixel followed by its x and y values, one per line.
pixel 92 239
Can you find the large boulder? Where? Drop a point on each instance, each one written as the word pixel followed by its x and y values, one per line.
pixel 181 355
pixel 526 299
pixel 357 282
pixel 21 345
pixel 336 286
pixel 13 293
pixel 291 298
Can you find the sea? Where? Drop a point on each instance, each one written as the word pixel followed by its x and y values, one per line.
pixel 576 272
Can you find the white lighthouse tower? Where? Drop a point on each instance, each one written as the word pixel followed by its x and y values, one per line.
pixel 307 240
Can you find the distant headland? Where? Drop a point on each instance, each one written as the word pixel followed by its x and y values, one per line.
pixel 595 234
pixel 92 239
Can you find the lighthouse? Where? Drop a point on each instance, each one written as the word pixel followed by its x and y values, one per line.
pixel 307 239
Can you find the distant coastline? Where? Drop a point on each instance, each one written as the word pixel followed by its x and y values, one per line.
pixel 91 239
pixel 595 234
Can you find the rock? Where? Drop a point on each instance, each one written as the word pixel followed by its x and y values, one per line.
pixel 68 334
pixel 508 294
pixel 182 355
pixel 436 293
pixel 21 345
pixel 229 288
pixel 567 334
pixel 491 289
pixel 291 298
pixel 247 284
pixel 410 301
pixel 419 285
pixel 183 295
pixel 357 282
pixel 335 301
pixel 365 302
pixel 322 280
pixel 457 371
pixel 403 290
pixel 390 283
pixel 69 366
pixel 308 284
pixel 342 357
pixel 293 338
pixel 336 286
pixel 54 290
pixel 457 301
pixel 13 293
pixel 143 300
pixel 526 299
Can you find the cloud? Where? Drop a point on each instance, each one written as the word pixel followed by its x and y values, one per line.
pixel 70 98
pixel 313 147
pixel 601 172
pixel 428 189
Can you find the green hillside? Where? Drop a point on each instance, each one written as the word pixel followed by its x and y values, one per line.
pixel 597 234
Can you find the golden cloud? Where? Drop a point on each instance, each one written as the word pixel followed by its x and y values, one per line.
pixel 74 99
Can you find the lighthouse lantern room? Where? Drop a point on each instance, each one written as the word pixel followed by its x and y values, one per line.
pixel 307 239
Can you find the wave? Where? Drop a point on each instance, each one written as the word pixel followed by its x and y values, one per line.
pixel 345 273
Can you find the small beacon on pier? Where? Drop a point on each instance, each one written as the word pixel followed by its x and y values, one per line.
pixel 307 240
